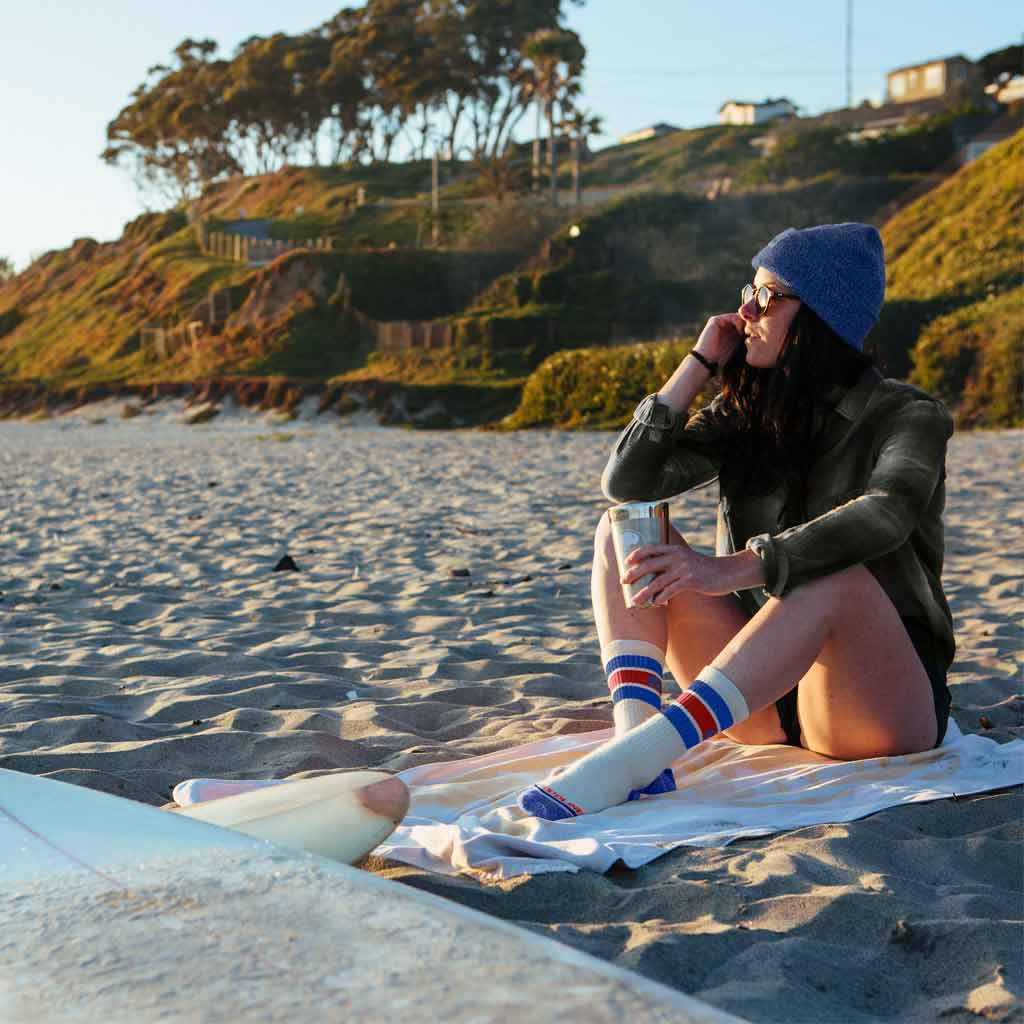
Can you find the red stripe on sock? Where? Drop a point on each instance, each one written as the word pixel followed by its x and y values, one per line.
pixel 636 676
pixel 561 799
pixel 699 712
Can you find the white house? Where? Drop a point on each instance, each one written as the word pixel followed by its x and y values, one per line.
pixel 745 112
pixel 654 131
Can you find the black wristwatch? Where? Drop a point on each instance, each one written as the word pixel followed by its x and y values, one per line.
pixel 660 420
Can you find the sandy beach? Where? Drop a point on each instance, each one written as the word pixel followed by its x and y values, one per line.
pixel 441 610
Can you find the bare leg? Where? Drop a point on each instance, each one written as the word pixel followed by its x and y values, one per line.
pixel 613 619
pixel 693 630
pixel 863 689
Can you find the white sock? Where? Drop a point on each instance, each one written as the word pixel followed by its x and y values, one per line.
pixel 606 776
pixel 634 672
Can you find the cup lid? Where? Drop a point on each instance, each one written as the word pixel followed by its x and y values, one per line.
pixel 637 510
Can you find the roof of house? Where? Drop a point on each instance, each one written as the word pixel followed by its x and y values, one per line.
pixel 867 114
pixel 757 103
pixel 925 63
pixel 661 128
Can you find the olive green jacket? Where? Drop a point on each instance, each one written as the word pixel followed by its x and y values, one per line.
pixel 874 495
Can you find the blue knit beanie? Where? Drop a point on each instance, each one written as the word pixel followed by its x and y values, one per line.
pixel 837 269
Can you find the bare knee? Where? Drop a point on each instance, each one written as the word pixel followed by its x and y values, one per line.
pixel 603 535
pixel 604 547
pixel 839 593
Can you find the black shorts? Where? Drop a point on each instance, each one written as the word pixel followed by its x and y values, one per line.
pixel 924 643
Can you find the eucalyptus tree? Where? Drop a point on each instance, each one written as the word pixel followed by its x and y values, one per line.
pixel 260 102
pixel 306 60
pixel 496 33
pixel 343 84
pixel 175 134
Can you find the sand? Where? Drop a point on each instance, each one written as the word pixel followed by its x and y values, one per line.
pixel 440 609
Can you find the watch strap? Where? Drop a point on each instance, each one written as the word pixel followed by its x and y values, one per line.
pixel 708 365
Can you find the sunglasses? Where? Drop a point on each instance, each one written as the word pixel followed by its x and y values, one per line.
pixel 763 295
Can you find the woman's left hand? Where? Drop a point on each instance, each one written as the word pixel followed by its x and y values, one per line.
pixel 677 567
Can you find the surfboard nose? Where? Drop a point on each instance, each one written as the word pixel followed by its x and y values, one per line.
pixel 388 798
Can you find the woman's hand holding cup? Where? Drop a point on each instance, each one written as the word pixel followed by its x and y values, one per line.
pixel 675 567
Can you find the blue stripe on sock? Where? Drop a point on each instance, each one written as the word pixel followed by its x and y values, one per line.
pixel 717 706
pixel 542 804
pixel 629 691
pixel 683 725
pixel 633 661
pixel 664 783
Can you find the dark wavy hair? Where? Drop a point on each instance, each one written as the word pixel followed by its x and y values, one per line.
pixel 774 408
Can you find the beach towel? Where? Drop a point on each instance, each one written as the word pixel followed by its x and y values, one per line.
pixel 463 817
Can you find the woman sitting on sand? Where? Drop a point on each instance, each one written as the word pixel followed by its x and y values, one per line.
pixel 821 620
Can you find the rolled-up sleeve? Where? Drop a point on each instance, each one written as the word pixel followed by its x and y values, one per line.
pixel 648 466
pixel 911 449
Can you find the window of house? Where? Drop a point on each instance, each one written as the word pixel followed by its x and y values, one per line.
pixel 897 85
pixel 933 76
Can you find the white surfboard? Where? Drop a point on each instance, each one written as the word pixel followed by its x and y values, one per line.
pixel 115 911
pixel 341 817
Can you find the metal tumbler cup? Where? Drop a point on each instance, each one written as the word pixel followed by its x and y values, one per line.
pixel 634 524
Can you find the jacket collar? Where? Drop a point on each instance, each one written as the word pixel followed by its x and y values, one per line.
pixel 852 404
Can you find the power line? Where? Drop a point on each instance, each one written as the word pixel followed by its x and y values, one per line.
pixel 849 53
pixel 723 72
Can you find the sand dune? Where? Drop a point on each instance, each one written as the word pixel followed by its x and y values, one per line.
pixel 440 609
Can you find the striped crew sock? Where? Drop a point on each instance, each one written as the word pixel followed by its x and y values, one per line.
pixel 634 671
pixel 606 776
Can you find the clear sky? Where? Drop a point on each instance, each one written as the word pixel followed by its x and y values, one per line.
pixel 67 68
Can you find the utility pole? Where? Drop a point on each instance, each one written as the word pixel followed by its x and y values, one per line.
pixel 576 166
pixel 552 143
pixel 535 168
pixel 849 53
pixel 435 200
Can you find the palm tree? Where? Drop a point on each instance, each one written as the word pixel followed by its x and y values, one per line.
pixel 557 57
pixel 581 124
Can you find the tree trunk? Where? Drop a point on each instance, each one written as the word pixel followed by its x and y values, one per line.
pixel 551 153
pixel 535 170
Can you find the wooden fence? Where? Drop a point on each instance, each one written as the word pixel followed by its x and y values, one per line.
pixel 207 318
pixel 393 337
pixel 254 251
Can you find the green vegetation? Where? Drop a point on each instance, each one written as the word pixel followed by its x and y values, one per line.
pixel 392 69
pixel 595 387
pixel 806 150
pixel 682 159
pixel 953 313
pixel 514 289
pixel 971 359
pixel 657 261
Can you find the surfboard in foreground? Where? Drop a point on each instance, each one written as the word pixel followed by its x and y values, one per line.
pixel 115 911
pixel 341 816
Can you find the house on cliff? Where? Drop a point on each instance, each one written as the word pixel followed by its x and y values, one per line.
pixel 945 77
pixel 654 131
pixel 745 112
